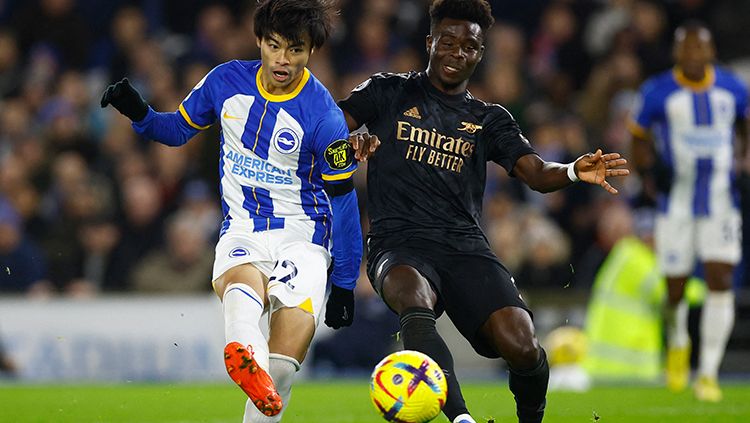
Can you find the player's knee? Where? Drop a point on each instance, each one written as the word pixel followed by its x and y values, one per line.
pixel 404 287
pixel 524 355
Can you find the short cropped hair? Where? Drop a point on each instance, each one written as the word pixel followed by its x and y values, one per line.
pixel 291 19
pixel 477 11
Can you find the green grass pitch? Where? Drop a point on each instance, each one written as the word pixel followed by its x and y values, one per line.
pixel 344 402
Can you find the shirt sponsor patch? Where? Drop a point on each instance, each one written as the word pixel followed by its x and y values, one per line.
pixel 339 155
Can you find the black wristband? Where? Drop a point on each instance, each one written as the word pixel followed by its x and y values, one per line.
pixel 335 190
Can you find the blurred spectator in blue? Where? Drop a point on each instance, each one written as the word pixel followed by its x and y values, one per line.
pixel 96 240
pixel 183 266
pixel 142 229
pixel 199 203
pixel 22 266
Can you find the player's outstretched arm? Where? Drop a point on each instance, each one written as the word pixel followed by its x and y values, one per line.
pixel 166 128
pixel 595 168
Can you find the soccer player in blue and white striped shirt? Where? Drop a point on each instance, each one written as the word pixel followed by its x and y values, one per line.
pixel 286 193
pixel 692 115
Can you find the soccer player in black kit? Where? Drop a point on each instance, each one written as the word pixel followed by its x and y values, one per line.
pixel 426 251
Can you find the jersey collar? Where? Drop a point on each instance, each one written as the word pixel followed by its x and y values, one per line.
pixel 708 80
pixel 281 97
pixel 449 98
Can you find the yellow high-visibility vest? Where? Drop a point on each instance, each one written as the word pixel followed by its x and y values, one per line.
pixel 624 317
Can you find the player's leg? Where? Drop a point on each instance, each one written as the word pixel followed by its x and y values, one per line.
pixel 292 330
pixel 296 292
pixel 716 325
pixel 511 332
pixel 674 239
pixel 410 295
pixel 246 352
pixel 678 338
pixel 720 250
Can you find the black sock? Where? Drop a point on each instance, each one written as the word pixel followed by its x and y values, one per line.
pixel 419 334
pixel 530 390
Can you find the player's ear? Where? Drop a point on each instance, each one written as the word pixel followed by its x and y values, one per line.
pixel 481 53
pixel 429 43
pixel 258 41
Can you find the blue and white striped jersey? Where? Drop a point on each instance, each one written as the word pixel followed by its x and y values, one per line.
pixel 276 150
pixel 693 125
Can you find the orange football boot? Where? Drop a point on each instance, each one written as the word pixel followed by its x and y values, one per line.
pixel 251 378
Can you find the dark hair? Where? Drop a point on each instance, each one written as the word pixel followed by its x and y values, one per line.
pixel 691 26
pixel 292 18
pixel 477 11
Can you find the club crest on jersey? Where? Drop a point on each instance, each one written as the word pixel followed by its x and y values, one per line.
pixel 239 252
pixel 339 155
pixel 470 127
pixel 286 141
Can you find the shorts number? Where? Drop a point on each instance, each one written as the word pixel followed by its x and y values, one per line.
pixel 289 268
pixel 729 231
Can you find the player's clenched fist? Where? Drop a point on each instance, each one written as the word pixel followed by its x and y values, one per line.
pixel 364 145
pixel 340 307
pixel 126 99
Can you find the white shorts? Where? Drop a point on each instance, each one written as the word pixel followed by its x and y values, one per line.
pixel 682 240
pixel 297 269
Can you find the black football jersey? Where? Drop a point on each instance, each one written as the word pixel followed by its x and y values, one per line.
pixel 429 173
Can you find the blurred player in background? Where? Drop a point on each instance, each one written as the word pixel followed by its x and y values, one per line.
pixel 285 168
pixel 684 130
pixel 426 251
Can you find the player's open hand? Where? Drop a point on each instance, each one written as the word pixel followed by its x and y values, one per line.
pixel 595 168
pixel 364 145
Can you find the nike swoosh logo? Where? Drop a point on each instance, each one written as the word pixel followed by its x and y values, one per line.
pixel 228 116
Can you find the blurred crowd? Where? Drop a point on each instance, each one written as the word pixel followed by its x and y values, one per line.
pixel 87 207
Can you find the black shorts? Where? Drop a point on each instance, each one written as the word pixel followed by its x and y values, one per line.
pixel 469 280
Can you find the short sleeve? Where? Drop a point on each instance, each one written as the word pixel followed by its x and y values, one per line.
pixel 332 149
pixel 365 100
pixel 198 107
pixel 505 142
pixel 646 110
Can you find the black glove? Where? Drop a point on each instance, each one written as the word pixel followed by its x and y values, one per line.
pixel 126 99
pixel 340 307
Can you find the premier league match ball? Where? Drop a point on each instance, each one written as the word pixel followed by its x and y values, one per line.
pixel 408 387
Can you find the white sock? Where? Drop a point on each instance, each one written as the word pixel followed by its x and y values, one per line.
pixel 717 321
pixel 253 415
pixel 677 321
pixel 243 308
pixel 463 417
pixel 283 369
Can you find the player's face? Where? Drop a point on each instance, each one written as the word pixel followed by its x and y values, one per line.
pixel 283 62
pixel 455 48
pixel 693 52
